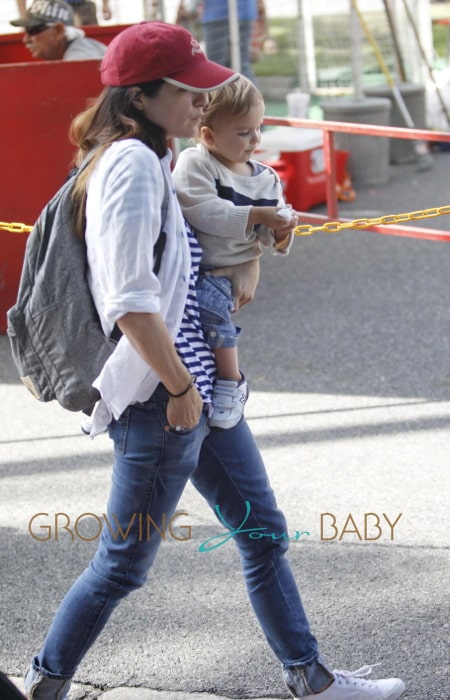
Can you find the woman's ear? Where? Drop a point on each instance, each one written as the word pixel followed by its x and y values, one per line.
pixel 136 97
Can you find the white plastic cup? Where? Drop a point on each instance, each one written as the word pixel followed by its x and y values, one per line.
pixel 298 104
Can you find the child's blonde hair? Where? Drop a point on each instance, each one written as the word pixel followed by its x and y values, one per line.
pixel 234 99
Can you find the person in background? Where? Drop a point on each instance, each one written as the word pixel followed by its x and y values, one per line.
pixel 216 32
pixel 189 13
pixel 260 31
pixel 235 206
pixel 50 33
pixel 84 12
pixel 21 7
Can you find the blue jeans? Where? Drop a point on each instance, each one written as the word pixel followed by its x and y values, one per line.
pixel 215 305
pixel 217 42
pixel 152 465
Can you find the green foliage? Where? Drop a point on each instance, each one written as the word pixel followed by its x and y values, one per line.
pixel 330 54
pixel 441 40
pixel 284 62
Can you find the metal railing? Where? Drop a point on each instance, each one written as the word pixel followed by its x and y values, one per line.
pixel 329 128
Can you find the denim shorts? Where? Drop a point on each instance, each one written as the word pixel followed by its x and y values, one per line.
pixel 216 303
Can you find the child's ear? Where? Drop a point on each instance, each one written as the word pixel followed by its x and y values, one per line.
pixel 207 135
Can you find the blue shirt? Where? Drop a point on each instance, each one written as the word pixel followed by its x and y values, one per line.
pixel 217 10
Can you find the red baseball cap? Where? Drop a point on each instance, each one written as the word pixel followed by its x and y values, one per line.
pixel 156 50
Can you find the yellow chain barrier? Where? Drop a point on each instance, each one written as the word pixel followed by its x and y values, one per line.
pixel 308 230
pixel 15 228
pixel 335 226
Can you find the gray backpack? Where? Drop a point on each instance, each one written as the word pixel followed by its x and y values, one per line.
pixel 56 338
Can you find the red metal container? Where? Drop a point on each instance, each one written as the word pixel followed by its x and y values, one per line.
pixel 302 176
pixel 298 157
pixel 39 99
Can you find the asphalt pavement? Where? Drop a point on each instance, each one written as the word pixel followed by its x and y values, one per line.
pixel 347 352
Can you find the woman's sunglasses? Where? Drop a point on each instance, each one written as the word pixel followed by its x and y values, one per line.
pixel 33 31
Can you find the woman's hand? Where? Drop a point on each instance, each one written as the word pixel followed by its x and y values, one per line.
pixel 244 280
pixel 185 411
pixel 150 337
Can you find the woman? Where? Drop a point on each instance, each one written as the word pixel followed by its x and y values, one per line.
pixel 157 385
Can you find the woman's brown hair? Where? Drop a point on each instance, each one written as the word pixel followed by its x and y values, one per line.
pixel 112 117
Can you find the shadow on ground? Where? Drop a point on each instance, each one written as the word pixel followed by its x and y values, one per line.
pixel 192 628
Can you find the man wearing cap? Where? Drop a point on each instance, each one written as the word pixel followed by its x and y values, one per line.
pixel 50 33
pixel 84 12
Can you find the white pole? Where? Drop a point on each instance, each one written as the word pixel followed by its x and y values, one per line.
pixel 425 30
pixel 415 67
pixel 356 54
pixel 235 51
pixel 146 10
pixel 153 9
pixel 306 53
pixel 301 42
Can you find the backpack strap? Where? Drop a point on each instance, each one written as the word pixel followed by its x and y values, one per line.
pixel 160 244
pixel 158 250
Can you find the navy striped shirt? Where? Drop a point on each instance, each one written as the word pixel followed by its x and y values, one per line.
pixel 190 342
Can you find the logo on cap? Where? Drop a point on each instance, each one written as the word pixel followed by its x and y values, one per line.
pixel 196 48
pixel 53 10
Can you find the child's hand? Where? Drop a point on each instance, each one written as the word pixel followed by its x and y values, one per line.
pixel 281 233
pixel 274 218
pixel 286 213
pixel 282 243
pixel 244 280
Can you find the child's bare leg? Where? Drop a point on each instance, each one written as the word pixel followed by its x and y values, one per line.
pixel 227 364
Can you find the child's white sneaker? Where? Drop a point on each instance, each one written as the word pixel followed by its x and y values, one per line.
pixel 349 685
pixel 229 399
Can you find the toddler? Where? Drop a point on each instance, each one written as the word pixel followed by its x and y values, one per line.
pixel 235 205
